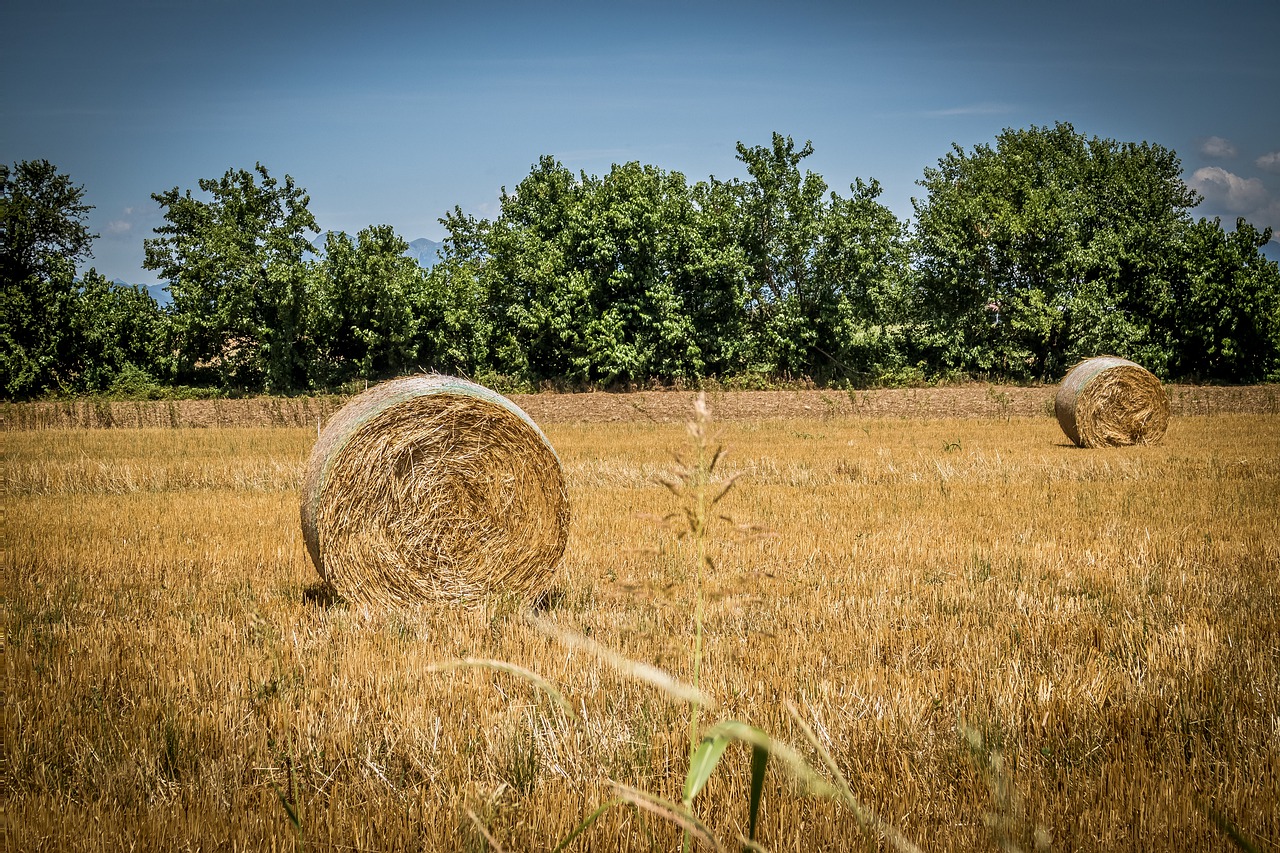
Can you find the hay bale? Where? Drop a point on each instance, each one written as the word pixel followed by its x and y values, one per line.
pixel 433 488
pixel 1111 402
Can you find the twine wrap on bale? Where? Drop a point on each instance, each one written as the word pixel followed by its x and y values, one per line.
pixel 1111 402
pixel 433 488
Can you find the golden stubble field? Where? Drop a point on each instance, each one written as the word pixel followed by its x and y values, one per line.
pixel 1000 638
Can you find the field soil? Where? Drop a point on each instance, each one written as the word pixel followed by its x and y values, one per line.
pixel 961 401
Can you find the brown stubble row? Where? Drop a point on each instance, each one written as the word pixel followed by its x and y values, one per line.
pixel 992 631
pixel 970 400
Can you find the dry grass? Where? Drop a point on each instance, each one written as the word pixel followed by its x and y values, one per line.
pixel 993 632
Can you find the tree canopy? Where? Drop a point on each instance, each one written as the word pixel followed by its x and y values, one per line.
pixel 234 267
pixel 1025 245
pixel 1025 255
pixel 43 235
pixel 1050 246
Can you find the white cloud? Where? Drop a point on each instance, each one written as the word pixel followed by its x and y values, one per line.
pixel 1269 162
pixel 128 223
pixel 985 109
pixel 1218 148
pixel 1237 196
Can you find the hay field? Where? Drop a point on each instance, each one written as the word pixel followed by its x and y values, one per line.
pixel 1000 638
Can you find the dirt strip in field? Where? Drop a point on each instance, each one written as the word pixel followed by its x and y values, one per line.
pixel 962 401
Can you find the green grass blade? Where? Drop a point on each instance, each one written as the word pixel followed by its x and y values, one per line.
pixel 512 669
pixel 794 763
pixel 701 764
pixel 288 808
pixel 759 760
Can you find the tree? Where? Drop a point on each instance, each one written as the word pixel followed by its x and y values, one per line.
pixel 454 328
pixel 118 336
pixel 637 275
pixel 717 275
pixel 660 298
pixel 235 271
pixel 624 278
pixel 1227 313
pixel 43 236
pixel 362 305
pixel 1024 246
pixel 780 213
pixel 859 319
pixel 827 273
pixel 529 274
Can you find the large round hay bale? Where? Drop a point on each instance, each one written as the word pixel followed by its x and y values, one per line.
pixel 1111 402
pixel 433 488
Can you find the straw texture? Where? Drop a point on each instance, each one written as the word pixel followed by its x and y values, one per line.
pixel 433 488
pixel 1111 402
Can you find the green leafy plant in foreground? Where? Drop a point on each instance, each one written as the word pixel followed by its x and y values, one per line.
pixel 692 520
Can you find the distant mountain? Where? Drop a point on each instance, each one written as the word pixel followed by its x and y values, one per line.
pixel 158 292
pixel 421 250
pixel 424 252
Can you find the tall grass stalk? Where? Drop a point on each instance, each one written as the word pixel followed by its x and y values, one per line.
pixel 692 485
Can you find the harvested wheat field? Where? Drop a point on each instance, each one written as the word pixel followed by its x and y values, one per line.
pixel 969 633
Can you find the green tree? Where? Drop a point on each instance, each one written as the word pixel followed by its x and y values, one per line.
pixel 661 299
pixel 362 304
pixel 118 337
pixel 1024 246
pixel 455 316
pixel 1227 314
pixel 529 274
pixel 595 280
pixel 781 216
pixel 712 274
pixel 857 323
pixel 827 274
pixel 43 236
pixel 235 268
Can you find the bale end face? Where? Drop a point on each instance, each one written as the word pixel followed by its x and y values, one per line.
pixel 433 488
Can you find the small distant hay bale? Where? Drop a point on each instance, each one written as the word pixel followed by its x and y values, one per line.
pixel 1111 402
pixel 433 488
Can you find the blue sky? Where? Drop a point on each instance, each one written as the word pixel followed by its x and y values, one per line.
pixel 394 112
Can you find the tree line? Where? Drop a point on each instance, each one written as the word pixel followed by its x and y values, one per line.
pixel 1024 256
